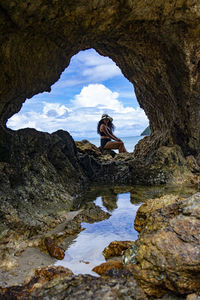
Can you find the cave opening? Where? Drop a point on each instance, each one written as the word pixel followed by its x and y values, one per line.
pixel 91 85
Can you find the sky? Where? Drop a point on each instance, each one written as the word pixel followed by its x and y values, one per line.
pixel 90 86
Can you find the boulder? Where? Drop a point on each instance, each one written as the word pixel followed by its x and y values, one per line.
pixel 86 147
pixel 166 254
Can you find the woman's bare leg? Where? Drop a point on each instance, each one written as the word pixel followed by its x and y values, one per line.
pixel 115 145
pixel 112 145
pixel 122 148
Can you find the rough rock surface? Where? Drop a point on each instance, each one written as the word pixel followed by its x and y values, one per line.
pixel 148 208
pixel 155 43
pixel 167 164
pixel 39 173
pixel 103 268
pixel 166 254
pixel 46 166
pixel 59 283
pixel 40 277
pixel 86 147
pixel 53 249
pixel 66 286
pixel 116 248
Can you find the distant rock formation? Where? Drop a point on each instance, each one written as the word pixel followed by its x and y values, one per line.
pixel 147 131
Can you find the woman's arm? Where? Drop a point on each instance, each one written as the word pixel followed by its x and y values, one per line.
pixel 115 137
pixel 107 133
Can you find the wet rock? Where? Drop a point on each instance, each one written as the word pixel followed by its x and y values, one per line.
pixel 76 287
pixel 53 249
pixel 166 254
pixel 103 268
pixel 72 227
pixel 116 248
pixel 90 214
pixel 40 277
pixel 50 273
pixel 147 208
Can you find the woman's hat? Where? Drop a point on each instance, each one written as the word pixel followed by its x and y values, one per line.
pixel 105 116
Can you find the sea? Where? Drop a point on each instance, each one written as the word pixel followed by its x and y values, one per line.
pixel 129 141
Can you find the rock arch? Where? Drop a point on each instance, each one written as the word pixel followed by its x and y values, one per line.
pixel 155 43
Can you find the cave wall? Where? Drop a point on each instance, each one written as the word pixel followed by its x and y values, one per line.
pixel 155 43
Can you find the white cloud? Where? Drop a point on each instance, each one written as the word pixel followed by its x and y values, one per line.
pixel 97 95
pixel 101 72
pixel 85 110
pixel 55 108
pixel 24 120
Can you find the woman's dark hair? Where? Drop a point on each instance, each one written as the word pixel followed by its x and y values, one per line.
pixel 110 125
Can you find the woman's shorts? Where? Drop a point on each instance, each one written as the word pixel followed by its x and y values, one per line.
pixel 104 142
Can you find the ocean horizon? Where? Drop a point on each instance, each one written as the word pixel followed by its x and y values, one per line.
pixel 129 141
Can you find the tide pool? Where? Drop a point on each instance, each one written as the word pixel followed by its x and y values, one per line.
pixel 85 251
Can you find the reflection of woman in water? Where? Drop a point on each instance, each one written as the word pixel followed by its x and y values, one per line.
pixel 105 128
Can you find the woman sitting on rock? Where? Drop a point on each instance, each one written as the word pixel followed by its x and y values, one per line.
pixel 105 128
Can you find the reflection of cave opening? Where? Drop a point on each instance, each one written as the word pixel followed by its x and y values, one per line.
pixel 90 86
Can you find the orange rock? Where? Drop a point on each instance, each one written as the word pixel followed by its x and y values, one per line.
pixel 53 249
pixel 40 277
pixel 116 248
pixel 50 273
pixel 104 267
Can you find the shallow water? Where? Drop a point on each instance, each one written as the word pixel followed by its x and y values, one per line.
pixel 86 250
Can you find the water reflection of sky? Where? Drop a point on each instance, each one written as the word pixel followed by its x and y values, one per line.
pixel 86 250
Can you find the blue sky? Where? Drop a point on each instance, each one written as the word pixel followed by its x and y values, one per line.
pixel 90 86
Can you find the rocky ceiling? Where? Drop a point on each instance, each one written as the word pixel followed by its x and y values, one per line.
pixel 155 43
